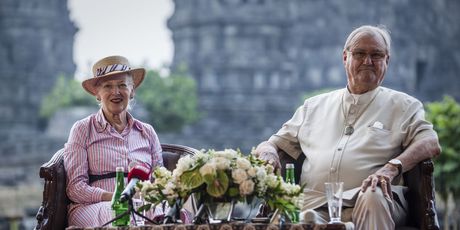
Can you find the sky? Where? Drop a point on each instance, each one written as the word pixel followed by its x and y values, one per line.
pixel 135 29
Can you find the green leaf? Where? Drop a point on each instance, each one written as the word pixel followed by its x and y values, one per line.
pixel 233 192
pixel 192 179
pixel 219 185
pixel 445 116
pixel 209 178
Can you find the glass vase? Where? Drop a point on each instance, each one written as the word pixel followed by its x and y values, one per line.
pixel 219 212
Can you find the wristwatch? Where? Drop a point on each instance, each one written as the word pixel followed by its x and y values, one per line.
pixel 397 163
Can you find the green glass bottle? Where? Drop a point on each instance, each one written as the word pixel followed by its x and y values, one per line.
pixel 117 206
pixel 290 178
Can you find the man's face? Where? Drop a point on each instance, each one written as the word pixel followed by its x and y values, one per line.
pixel 365 62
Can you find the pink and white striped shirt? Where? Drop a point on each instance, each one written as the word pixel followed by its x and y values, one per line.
pixel 94 147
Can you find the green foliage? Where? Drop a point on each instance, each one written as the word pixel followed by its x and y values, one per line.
pixel 67 92
pixel 171 101
pixel 445 116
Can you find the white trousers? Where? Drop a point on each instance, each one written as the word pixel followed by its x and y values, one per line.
pixel 371 211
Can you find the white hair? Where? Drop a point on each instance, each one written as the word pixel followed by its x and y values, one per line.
pixel 369 30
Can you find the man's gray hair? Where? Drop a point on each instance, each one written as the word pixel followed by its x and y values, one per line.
pixel 369 30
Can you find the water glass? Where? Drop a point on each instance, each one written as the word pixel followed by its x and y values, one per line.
pixel 334 191
pixel 137 203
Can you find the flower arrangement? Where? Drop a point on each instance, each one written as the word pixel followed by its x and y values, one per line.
pixel 222 176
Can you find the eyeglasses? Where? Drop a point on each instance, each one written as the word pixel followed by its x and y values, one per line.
pixel 361 55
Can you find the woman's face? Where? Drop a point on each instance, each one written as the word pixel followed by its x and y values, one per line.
pixel 115 93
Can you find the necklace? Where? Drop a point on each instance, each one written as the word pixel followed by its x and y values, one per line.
pixel 349 127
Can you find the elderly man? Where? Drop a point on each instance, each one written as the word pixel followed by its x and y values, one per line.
pixel 364 135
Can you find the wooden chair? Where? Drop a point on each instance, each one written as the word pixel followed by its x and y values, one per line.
pixel 421 195
pixel 52 214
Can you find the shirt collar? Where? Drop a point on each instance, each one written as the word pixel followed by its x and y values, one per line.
pixel 101 123
pixel 361 99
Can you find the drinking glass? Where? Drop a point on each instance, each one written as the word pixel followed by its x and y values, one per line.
pixel 334 191
pixel 137 203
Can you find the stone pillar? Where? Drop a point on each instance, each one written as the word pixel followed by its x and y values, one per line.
pixel 36 45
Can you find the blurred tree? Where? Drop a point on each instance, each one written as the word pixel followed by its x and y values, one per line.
pixel 66 92
pixel 171 101
pixel 445 116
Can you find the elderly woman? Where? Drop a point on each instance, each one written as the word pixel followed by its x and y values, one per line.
pixel 110 138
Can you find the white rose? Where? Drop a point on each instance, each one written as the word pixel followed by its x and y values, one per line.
pixel 243 163
pixel 221 163
pixel 227 153
pixel 247 187
pixel 208 169
pixel 252 172
pixel 239 175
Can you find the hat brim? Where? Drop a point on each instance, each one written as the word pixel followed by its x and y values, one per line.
pixel 90 85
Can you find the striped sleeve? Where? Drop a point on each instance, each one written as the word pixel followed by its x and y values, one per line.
pixel 76 166
pixel 155 146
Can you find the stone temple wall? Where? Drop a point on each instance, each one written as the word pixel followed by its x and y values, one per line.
pixel 254 59
pixel 36 46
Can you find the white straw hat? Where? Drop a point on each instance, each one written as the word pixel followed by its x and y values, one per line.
pixel 109 67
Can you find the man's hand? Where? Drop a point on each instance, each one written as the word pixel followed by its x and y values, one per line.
pixel 383 178
pixel 268 153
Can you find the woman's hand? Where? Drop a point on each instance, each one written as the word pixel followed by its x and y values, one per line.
pixel 107 196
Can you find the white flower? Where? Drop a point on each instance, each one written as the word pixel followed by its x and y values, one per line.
pixel 261 173
pixel 227 153
pixel 239 175
pixel 252 172
pixel 169 188
pixel 250 176
pixel 246 187
pixel 185 163
pixel 146 185
pixel 207 169
pixel 221 163
pixel 272 181
pixel 243 163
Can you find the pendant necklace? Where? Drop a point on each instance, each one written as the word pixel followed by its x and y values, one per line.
pixel 349 129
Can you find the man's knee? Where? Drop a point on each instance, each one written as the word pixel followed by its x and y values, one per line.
pixel 372 211
pixel 372 199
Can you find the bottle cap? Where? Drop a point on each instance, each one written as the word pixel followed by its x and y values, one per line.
pixel 289 166
pixel 120 169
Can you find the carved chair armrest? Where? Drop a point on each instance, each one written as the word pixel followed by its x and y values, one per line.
pixel 52 214
pixel 421 196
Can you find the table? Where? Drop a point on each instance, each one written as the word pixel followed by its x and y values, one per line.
pixel 226 226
